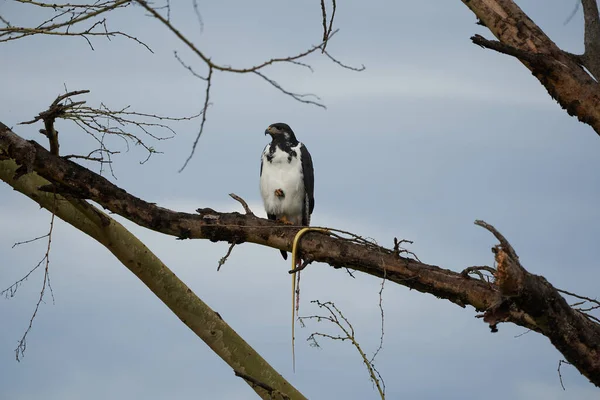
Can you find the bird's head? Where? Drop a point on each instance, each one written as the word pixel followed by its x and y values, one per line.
pixel 281 131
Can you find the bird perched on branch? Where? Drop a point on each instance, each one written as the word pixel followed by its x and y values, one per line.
pixel 287 179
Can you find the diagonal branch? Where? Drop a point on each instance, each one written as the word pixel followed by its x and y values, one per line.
pixel 198 316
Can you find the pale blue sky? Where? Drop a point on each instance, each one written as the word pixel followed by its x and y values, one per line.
pixel 434 134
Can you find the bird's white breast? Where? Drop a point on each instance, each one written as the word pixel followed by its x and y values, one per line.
pixel 285 173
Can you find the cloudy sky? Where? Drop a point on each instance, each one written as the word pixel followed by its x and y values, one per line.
pixel 435 133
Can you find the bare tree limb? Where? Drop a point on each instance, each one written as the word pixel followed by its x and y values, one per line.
pixel 558 71
pixel 575 336
pixel 517 296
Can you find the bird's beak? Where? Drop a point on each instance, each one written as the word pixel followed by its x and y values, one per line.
pixel 269 131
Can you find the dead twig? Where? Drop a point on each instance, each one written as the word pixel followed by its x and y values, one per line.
pixel 203 112
pixel 299 268
pixel 242 202
pixel 535 60
pixel 522 334
pixel 345 66
pixel 560 363
pixel 397 251
pixel 29 241
pixel 224 258
pixel 382 317
pixel 327 28
pixel 477 271
pixel 579 306
pixel 55 111
pixel 46 284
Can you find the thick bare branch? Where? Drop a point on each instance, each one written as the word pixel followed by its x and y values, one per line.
pixel 517 296
pixel 75 180
pixel 559 72
pixel 575 336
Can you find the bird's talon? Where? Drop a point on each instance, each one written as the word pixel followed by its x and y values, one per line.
pixel 285 221
pixel 279 193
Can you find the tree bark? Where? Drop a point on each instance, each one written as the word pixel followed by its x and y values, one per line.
pixel 189 308
pixel 517 296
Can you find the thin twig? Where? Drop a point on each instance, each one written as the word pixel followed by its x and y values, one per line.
pixel 560 363
pixel 477 271
pixel 29 241
pixel 301 97
pixel 242 202
pixel 22 345
pixel 324 14
pixel 224 258
pixel 382 316
pixel 578 305
pixel 522 334
pixel 204 109
pixel 575 9
pixel 300 267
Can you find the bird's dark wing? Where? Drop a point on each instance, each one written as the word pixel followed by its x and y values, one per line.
pixel 309 184
pixel 261 163
pixel 262 159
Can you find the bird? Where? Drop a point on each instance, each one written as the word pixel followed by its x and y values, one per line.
pixel 287 186
pixel 287 179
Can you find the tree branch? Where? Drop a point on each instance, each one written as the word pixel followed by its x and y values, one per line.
pixel 517 296
pixel 575 336
pixel 72 179
pixel 591 56
pixel 558 71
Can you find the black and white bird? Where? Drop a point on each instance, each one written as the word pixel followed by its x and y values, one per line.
pixel 287 178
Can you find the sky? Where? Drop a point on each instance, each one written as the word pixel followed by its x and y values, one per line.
pixel 434 134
